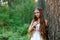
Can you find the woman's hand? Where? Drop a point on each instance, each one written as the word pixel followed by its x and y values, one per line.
pixel 34 24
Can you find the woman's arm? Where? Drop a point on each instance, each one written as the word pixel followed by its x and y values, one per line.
pixel 31 26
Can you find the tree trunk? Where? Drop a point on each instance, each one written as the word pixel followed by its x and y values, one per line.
pixel 53 16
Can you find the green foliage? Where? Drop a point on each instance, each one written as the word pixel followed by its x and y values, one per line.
pixel 14 32
pixel 15 19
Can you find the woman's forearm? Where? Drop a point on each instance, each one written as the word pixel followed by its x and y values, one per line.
pixel 31 28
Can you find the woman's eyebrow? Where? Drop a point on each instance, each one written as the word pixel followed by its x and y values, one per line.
pixel 36 12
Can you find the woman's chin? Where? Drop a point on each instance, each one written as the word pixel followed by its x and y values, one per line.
pixel 37 17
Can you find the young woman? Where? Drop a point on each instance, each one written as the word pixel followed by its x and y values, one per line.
pixel 38 26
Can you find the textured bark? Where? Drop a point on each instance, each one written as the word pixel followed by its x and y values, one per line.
pixel 53 16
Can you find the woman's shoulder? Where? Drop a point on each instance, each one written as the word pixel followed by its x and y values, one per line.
pixel 46 20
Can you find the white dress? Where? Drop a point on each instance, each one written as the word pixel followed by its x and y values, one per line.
pixel 36 34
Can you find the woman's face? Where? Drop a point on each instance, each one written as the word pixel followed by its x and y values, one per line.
pixel 37 13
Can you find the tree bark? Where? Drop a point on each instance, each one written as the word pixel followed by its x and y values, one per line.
pixel 53 16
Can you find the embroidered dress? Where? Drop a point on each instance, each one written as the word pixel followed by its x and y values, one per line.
pixel 36 34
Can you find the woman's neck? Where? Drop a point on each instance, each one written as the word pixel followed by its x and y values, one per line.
pixel 38 20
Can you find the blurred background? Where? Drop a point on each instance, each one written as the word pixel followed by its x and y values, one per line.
pixel 15 18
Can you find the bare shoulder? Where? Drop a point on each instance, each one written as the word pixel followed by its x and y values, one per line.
pixel 46 20
pixel 32 20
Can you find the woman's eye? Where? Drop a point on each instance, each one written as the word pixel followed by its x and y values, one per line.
pixel 37 12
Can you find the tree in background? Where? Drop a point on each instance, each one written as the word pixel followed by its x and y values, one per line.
pixel 53 15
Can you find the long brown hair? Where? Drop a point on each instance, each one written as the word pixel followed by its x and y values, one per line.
pixel 42 24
